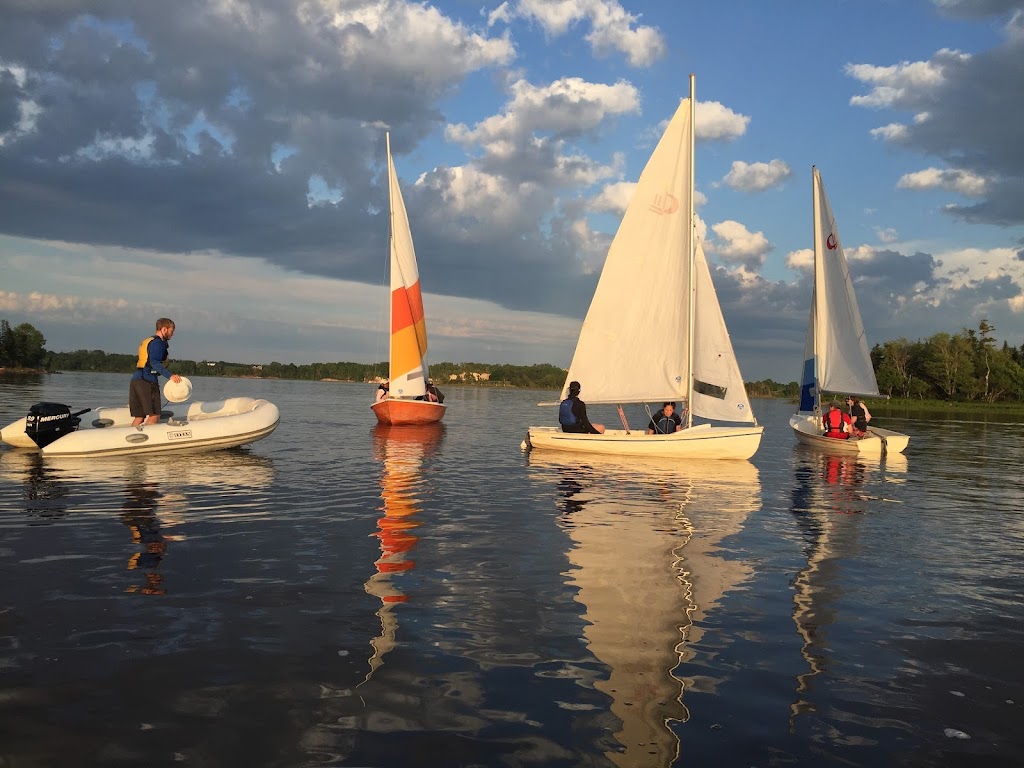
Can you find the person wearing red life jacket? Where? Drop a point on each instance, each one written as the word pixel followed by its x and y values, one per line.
pixel 836 424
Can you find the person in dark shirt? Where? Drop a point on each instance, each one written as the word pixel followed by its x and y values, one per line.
pixel 572 414
pixel 144 387
pixel 665 421
pixel 860 415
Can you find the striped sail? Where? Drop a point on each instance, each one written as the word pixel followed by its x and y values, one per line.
pixel 408 349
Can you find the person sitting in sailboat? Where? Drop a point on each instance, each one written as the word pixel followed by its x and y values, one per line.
pixel 836 423
pixel 665 421
pixel 859 414
pixel 383 391
pixel 572 414
pixel 431 394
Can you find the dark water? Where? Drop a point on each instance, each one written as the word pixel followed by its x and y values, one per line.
pixel 339 595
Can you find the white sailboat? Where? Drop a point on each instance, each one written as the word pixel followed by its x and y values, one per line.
pixel 836 357
pixel 654 331
pixel 407 352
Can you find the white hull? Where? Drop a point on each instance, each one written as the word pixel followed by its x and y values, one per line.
pixel 197 426
pixel 699 442
pixel 877 441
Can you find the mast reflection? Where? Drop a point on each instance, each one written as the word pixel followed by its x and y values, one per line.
pixel 645 564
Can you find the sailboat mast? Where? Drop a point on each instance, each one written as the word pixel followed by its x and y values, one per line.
pixel 391 255
pixel 690 255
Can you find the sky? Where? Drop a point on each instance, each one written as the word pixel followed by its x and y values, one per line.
pixel 223 163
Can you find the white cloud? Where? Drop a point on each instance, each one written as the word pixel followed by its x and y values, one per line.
pixel 614 198
pixel 894 132
pixel 757 177
pixel 962 182
pixel 904 85
pixel 567 106
pixel 716 122
pixel 801 261
pixel 887 234
pixel 736 244
pixel 396 37
pixel 612 28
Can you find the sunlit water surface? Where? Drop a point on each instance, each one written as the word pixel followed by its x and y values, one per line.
pixel 339 594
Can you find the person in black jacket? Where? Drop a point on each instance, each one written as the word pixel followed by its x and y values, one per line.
pixel 665 421
pixel 572 414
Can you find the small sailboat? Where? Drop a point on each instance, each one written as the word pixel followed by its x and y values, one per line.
pixel 407 356
pixel 836 357
pixel 654 331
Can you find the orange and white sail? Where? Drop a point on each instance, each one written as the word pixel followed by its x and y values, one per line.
pixel 408 350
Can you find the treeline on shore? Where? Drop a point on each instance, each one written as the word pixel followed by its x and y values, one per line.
pixel 961 367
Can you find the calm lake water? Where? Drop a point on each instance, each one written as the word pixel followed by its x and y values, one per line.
pixel 337 594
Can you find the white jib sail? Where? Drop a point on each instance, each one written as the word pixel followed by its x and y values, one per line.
pixel 844 362
pixel 718 385
pixel 632 346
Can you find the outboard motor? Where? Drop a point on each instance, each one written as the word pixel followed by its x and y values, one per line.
pixel 47 422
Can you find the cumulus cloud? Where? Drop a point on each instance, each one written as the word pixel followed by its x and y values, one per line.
pixel 735 244
pixel 961 114
pixel 614 198
pixel 757 177
pixel 716 122
pixel 612 28
pixel 962 182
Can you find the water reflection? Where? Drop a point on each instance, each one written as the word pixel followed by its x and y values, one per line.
pixel 401 451
pixel 828 494
pixel 155 495
pixel 46 498
pixel 646 564
pixel 139 514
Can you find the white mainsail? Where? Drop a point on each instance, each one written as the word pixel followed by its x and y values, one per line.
pixel 835 336
pixel 633 344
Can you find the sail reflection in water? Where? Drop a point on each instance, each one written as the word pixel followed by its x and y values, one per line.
pixel 401 451
pixel 828 496
pixel 645 562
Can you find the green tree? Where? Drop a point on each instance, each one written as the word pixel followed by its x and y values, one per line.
pixel 22 346
pixel 948 363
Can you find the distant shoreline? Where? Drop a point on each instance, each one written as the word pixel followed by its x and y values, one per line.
pixel 880 405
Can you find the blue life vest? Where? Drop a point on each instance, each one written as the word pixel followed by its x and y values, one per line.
pixel 565 415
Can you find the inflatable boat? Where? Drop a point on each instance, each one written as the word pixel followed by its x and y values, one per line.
pixel 53 430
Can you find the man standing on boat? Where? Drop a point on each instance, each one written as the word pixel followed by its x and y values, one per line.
pixel 572 414
pixel 144 388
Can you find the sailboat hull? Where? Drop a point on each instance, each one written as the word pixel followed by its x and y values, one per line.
pixel 397 412
pixel 698 442
pixel 875 443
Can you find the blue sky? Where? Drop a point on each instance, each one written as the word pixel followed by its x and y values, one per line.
pixel 222 163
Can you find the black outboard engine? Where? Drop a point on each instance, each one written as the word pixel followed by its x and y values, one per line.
pixel 47 422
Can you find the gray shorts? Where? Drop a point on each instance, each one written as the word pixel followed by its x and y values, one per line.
pixel 143 398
